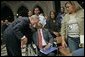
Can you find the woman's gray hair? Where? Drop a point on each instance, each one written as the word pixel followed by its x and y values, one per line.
pixel 75 3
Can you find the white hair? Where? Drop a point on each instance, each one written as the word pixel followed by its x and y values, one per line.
pixel 34 17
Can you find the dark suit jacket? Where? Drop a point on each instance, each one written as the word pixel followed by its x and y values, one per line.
pixel 3 27
pixel 13 34
pixel 18 29
pixel 47 36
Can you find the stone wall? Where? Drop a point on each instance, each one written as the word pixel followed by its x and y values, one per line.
pixel 47 6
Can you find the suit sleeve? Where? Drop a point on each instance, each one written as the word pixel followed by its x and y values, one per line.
pixel 34 38
pixel 50 38
pixel 18 27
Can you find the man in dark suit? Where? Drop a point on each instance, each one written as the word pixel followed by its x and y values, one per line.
pixel 46 40
pixel 13 35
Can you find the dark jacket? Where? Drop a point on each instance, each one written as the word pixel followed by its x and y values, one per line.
pixel 18 29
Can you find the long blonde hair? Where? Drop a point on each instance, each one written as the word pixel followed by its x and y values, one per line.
pixel 75 3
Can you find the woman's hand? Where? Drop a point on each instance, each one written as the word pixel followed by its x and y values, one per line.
pixel 63 42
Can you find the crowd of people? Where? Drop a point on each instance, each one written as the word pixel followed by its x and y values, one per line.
pixel 61 31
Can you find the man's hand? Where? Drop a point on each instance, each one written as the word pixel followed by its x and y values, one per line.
pixel 47 46
pixel 23 41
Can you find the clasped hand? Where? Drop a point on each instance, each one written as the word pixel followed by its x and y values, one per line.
pixel 23 41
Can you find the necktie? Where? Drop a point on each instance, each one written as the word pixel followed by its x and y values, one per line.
pixel 39 39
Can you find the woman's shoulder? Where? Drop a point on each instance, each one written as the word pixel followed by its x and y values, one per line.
pixel 66 17
pixel 66 14
pixel 80 12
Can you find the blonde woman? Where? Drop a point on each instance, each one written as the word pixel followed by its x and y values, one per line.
pixel 72 25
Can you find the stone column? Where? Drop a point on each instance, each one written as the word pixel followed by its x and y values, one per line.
pixel 15 15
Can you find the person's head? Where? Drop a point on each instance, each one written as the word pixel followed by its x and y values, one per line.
pixel 6 21
pixel 46 17
pixel 72 6
pixel 52 14
pixel 62 9
pixel 37 10
pixel 2 22
pixel 34 19
pixel 30 13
